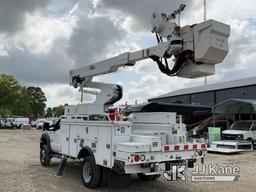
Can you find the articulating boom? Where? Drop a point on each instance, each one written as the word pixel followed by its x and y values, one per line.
pixel 196 49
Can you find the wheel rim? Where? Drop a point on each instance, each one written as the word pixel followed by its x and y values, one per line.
pixel 43 153
pixel 87 172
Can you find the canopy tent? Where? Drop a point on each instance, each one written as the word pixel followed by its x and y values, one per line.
pixel 235 106
pixel 180 109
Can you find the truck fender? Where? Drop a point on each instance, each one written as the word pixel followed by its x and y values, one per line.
pixel 45 138
pixel 85 151
pixel 249 139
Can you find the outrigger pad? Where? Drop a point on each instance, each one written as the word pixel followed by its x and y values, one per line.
pixel 61 167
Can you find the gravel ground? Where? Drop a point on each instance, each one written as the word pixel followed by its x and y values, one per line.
pixel 20 170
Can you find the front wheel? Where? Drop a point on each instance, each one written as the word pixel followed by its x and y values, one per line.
pixel 45 155
pixel 90 173
pixel 252 142
pixel 144 177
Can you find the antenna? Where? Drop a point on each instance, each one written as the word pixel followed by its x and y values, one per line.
pixel 177 12
pixel 204 10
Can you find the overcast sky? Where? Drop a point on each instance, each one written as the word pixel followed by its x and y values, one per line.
pixel 41 40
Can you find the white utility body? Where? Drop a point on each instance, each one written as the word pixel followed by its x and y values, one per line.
pixel 110 144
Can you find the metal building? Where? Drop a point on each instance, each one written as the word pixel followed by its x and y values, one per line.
pixel 213 93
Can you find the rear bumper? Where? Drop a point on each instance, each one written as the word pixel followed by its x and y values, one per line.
pixel 155 162
pixel 230 146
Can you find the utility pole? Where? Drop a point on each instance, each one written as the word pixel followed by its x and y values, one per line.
pixel 205 78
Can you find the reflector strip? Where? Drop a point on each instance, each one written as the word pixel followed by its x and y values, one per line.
pixel 166 148
pixel 203 146
pixel 176 147
pixel 186 147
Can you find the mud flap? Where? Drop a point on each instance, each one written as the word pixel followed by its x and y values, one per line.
pixel 117 180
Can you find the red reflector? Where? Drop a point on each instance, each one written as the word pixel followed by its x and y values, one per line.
pixel 186 147
pixel 176 147
pixel 194 146
pixel 136 158
pixel 166 148
pixel 200 153
pixel 203 146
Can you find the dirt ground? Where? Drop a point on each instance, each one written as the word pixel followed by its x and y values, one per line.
pixel 20 170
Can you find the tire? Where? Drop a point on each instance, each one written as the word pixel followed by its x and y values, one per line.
pixel 45 155
pixel 144 177
pixel 104 177
pixel 253 146
pixel 90 172
pixel 251 140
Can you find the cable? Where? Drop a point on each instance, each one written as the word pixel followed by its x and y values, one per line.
pixel 157 38
pixel 180 63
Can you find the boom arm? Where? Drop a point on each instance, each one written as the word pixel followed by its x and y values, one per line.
pixel 196 50
pixel 86 73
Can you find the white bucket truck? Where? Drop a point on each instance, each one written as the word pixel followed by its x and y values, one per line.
pixel 110 145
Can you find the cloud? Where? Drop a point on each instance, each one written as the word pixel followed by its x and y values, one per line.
pixel 94 38
pixel 138 13
pixel 239 63
pixel 49 47
pixel 13 13
pixel 32 68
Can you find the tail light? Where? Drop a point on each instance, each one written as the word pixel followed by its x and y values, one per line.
pixel 136 158
pixel 200 153
pixel 194 146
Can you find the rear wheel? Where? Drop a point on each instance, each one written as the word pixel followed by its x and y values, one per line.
pixel 144 177
pixel 45 155
pixel 90 173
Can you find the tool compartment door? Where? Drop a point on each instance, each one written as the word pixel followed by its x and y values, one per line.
pixel 73 141
pixel 64 139
pixel 104 146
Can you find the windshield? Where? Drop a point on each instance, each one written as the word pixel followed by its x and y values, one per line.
pixel 243 126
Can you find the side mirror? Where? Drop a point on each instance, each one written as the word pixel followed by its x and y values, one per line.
pixel 46 126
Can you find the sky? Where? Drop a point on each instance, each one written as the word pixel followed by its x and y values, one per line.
pixel 41 41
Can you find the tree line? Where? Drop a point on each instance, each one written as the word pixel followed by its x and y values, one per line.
pixel 20 100
pixel 55 111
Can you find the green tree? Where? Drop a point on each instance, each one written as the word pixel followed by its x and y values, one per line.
pixel 23 106
pixel 49 112
pixel 58 111
pixel 9 93
pixel 36 99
